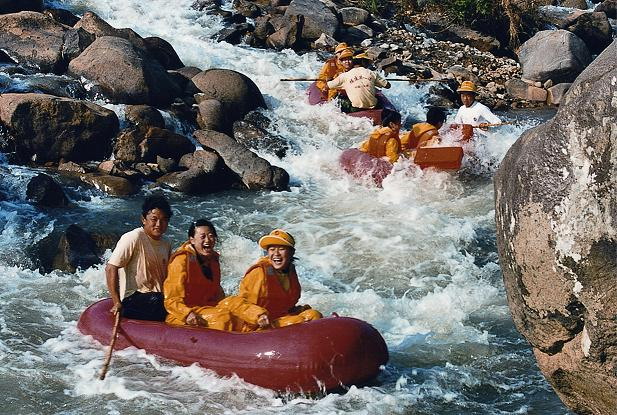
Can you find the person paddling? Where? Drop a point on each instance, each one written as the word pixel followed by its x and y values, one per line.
pixel 385 141
pixel 473 112
pixel 331 69
pixel 138 265
pixel 424 134
pixel 359 84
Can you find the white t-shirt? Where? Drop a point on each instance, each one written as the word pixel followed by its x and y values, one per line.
pixel 359 84
pixel 142 262
pixel 475 115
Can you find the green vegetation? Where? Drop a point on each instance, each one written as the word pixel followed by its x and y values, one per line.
pixel 467 10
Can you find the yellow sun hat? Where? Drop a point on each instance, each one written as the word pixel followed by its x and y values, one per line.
pixel 467 86
pixel 341 47
pixel 277 237
pixel 346 53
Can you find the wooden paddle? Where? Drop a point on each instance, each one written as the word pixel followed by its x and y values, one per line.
pixel 387 79
pixel 114 335
pixel 499 124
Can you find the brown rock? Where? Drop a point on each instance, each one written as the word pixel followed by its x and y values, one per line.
pixel 159 142
pixel 162 51
pixel 555 198
pixel 92 23
pixel 521 90
pixel 255 172
pixel 71 167
pixel 34 40
pixel 609 7
pixel 144 116
pixel 288 35
pixel 125 73
pixel 62 16
pixel 51 128
pixel 236 92
pixel 557 93
pixel 44 191
pixel 126 147
pixel 211 115
pixel 76 250
pixel 575 4
pixel 112 185
pixel 188 71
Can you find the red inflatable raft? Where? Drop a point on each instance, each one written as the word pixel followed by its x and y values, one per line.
pixel 360 164
pixel 319 355
pixel 316 97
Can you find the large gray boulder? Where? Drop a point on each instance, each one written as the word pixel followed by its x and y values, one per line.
pixel 556 217
pixel 236 92
pixel 125 73
pixel 255 172
pixel 37 41
pixel 48 128
pixel 318 18
pixel 553 54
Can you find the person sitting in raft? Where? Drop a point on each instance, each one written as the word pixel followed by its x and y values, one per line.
pixel 272 282
pixel 193 286
pixel 424 134
pixel 384 141
pixel 139 262
pixel 359 84
pixel 473 112
pixel 331 69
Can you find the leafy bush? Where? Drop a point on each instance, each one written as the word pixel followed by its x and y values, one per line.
pixel 467 10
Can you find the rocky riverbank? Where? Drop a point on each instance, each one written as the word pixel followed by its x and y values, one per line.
pixel 424 43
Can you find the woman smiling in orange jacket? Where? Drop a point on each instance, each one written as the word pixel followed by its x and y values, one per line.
pixel 193 292
pixel 272 282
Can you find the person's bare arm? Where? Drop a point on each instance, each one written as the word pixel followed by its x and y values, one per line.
pixel 113 285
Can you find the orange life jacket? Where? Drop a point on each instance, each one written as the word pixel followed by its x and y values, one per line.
pixel 420 133
pixel 201 290
pixel 329 71
pixel 378 140
pixel 276 300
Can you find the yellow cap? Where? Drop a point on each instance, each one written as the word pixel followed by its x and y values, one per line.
pixel 467 86
pixel 341 47
pixel 277 237
pixel 362 55
pixel 346 53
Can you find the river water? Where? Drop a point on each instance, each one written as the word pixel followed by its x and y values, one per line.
pixel 416 259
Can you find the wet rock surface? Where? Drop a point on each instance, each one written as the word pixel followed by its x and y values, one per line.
pixel 556 206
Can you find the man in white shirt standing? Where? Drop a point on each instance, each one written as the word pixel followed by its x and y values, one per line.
pixel 359 83
pixel 138 265
pixel 472 112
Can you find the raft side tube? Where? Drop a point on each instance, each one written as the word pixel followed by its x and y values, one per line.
pixel 325 353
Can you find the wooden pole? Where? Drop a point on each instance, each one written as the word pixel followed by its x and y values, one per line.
pixel 499 124
pixel 114 336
